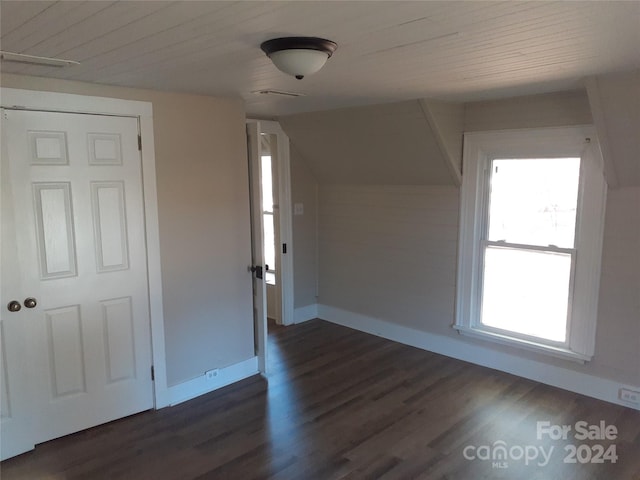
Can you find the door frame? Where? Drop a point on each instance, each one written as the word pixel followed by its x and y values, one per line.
pixel 283 193
pixel 18 99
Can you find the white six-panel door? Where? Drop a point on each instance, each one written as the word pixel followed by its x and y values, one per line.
pixel 15 407
pixel 76 218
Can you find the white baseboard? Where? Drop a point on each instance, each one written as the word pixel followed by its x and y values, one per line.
pixel 306 313
pixel 200 385
pixel 596 387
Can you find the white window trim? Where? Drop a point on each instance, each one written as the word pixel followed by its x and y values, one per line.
pixel 479 149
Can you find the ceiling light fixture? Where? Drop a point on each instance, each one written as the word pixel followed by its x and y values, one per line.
pixel 35 60
pixel 299 56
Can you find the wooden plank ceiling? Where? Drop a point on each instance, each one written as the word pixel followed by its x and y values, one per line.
pixel 388 51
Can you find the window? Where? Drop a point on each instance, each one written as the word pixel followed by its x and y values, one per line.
pixel 268 221
pixel 530 239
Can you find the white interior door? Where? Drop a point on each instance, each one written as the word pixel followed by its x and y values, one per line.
pixel 77 207
pixel 15 396
pixel 257 245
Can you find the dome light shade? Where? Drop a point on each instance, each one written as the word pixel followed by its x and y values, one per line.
pixel 299 56
pixel 299 62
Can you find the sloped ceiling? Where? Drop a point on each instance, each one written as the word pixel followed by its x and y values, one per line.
pixel 420 142
pixel 390 144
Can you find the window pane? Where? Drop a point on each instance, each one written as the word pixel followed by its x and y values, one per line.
pixel 533 201
pixel 269 242
pixel 267 184
pixel 526 291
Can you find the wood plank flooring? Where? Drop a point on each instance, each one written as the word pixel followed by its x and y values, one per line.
pixel 341 404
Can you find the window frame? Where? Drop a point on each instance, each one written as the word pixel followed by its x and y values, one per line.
pixel 271 274
pixel 480 148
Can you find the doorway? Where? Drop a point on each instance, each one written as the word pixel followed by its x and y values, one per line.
pixel 271 229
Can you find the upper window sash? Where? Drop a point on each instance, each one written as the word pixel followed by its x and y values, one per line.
pixel 515 194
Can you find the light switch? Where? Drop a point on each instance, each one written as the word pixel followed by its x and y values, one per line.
pixel 298 208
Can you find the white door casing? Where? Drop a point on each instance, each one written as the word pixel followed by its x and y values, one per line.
pixel 107 208
pixel 14 98
pixel 285 221
pixel 283 227
pixel 274 292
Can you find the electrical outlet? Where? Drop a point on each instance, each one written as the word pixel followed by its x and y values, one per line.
pixel 211 374
pixel 628 395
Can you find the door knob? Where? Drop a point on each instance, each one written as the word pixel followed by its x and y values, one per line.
pixel 30 302
pixel 257 269
pixel 14 306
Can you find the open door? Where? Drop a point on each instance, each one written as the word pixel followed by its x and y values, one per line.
pixel 271 222
pixel 257 245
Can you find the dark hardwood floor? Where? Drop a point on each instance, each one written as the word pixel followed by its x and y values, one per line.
pixel 341 404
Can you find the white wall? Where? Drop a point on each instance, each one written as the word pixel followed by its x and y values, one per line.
pixel 203 205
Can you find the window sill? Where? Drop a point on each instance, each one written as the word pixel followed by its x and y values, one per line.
pixel 558 352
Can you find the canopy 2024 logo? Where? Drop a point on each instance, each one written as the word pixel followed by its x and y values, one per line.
pixel 500 453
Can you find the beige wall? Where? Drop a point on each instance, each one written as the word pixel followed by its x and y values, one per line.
pixel 619 98
pixel 389 252
pixel 304 189
pixel 203 204
pixel 388 143
pixel 618 336
pixel 533 111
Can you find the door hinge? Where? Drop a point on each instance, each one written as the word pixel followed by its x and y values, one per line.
pixel 140 142
pixel 153 374
pixel 284 248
